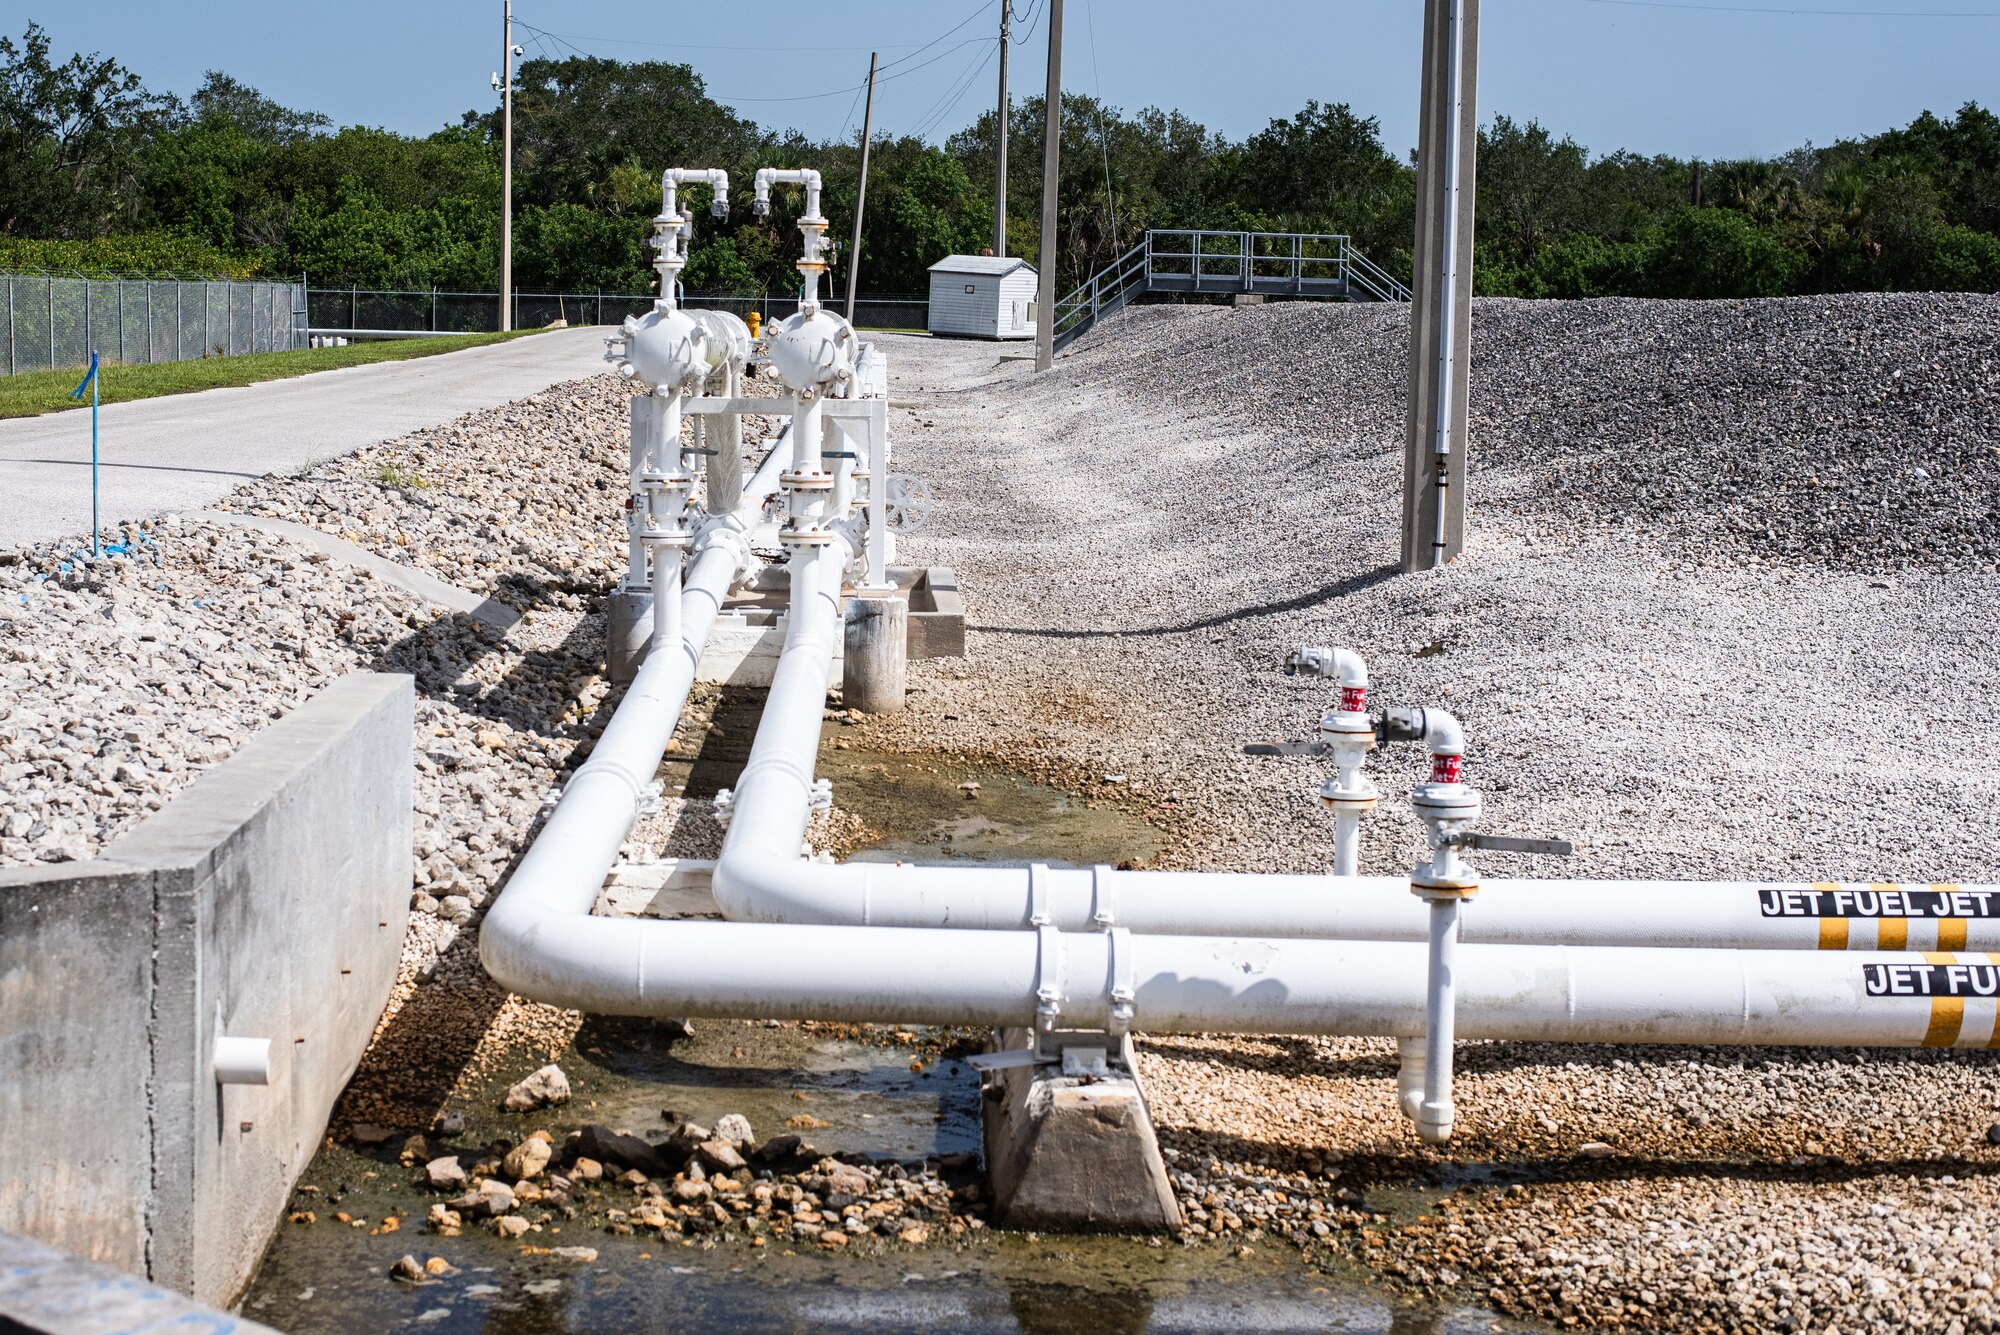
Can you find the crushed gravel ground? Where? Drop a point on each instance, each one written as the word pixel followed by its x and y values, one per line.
pixel 1667 643
pixel 1656 653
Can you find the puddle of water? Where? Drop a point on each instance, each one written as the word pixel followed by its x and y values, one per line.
pixel 631 1073
pixel 999 1284
pixel 920 808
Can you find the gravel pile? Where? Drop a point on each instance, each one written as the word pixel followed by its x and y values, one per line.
pixel 1846 432
pixel 1140 550
pixel 520 502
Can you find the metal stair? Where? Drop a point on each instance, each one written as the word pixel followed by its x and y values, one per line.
pixel 1279 264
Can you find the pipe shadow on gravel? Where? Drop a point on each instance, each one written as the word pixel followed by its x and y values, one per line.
pixel 1476 1056
pixel 1363 1172
pixel 416 1059
pixel 1340 588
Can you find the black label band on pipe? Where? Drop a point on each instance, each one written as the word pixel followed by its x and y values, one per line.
pixel 1878 903
pixel 1931 980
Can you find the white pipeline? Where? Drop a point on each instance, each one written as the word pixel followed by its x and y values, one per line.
pixel 557 954
pixel 527 937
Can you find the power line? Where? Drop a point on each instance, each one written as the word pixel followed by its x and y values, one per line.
pixel 947 104
pixel 977 10
pixel 1797 12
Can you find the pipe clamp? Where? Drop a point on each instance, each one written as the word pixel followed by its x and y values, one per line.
pixel 1038 895
pixel 1048 980
pixel 1124 986
pixel 1103 899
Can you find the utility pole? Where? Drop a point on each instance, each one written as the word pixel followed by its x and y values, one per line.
pixel 1000 135
pixel 1441 307
pixel 861 195
pixel 1045 301
pixel 507 52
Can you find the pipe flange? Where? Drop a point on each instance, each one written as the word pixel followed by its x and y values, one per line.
pixel 666 538
pixel 1427 885
pixel 1348 724
pixel 1438 803
pixel 805 537
pixel 813 481
pixel 1361 797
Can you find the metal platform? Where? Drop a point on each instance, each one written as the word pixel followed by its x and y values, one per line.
pixel 1273 264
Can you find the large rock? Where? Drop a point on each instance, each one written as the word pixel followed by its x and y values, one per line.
pixel 607 1146
pixel 543 1089
pixel 445 1173
pixel 528 1159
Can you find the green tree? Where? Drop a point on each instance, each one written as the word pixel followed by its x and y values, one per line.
pixel 73 138
pixel 1718 253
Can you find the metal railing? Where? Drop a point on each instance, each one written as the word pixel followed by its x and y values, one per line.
pixel 345 310
pixel 55 321
pixel 1291 264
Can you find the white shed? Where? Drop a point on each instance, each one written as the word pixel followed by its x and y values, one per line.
pixel 983 296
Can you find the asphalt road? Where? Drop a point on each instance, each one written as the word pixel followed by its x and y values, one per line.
pixel 187 451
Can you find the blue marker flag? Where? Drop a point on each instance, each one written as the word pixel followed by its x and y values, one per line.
pixel 77 393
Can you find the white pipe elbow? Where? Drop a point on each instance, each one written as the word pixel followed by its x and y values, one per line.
pixel 1443 733
pixel 1348 669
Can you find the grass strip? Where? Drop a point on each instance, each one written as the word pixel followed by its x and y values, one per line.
pixel 37 392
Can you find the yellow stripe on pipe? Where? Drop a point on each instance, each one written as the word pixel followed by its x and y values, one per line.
pixel 1947 1013
pixel 1891 933
pixel 1832 931
pixel 1993 1041
pixel 1951 931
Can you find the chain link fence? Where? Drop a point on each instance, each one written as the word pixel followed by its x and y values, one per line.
pixel 55 321
pixel 359 311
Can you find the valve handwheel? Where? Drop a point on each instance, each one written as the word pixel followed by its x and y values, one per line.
pixel 908 503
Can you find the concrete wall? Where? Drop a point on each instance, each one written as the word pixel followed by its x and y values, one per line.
pixel 267 900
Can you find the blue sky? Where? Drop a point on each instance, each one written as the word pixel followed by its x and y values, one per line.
pixel 1713 80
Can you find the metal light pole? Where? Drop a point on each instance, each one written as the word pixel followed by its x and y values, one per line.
pixel 1000 136
pixel 1441 308
pixel 507 53
pixel 861 194
pixel 1045 323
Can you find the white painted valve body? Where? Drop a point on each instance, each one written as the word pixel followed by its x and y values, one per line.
pixel 813 349
pixel 726 340
pixel 663 348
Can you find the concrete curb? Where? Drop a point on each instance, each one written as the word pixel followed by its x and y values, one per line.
pixel 267 900
pixel 45 1291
